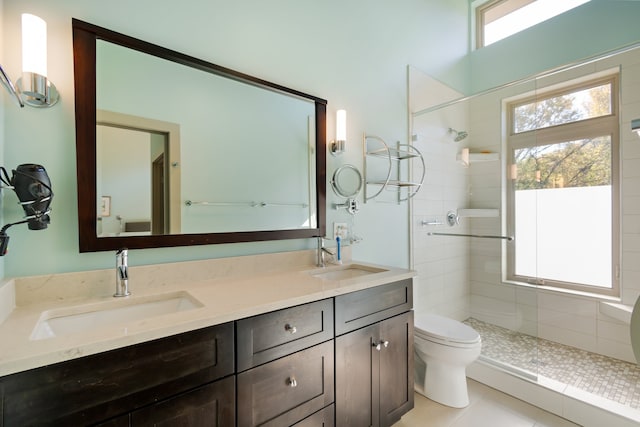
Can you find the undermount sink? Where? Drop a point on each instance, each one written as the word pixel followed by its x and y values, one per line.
pixel 346 272
pixel 119 312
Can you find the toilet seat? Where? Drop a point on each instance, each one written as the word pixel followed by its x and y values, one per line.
pixel 445 331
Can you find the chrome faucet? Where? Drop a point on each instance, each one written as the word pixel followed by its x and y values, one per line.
pixel 321 251
pixel 122 274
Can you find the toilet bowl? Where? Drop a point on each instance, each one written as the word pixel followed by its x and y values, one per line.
pixel 443 348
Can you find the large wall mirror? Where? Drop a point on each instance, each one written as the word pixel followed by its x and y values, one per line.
pixel 175 151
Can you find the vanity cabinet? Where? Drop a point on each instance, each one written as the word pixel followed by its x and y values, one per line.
pixel 117 383
pixel 374 355
pixel 344 361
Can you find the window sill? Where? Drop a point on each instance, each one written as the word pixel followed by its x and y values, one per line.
pixel 620 312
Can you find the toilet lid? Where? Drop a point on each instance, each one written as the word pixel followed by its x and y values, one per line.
pixel 432 325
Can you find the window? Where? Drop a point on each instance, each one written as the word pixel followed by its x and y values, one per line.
pixel 563 188
pixel 498 19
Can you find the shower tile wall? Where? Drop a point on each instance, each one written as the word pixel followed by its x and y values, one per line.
pixel 461 277
pixel 571 320
pixel 442 285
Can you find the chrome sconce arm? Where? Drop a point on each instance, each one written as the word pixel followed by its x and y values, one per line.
pixel 6 82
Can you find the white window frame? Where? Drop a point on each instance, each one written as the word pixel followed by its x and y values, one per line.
pixel 491 10
pixel 582 129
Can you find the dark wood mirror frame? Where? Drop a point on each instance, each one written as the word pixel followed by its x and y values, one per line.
pixel 84 58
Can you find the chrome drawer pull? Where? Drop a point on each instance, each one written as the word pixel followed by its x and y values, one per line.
pixel 291 382
pixel 291 329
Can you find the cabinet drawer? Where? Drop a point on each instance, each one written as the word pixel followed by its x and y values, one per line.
pixel 94 388
pixel 286 390
pixel 358 309
pixel 210 405
pixel 323 418
pixel 266 337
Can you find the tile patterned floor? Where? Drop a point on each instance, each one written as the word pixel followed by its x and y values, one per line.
pixel 603 376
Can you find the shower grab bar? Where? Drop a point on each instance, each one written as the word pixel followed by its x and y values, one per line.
pixel 508 238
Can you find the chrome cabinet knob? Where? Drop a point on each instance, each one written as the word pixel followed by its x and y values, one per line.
pixel 291 329
pixel 291 382
pixel 378 345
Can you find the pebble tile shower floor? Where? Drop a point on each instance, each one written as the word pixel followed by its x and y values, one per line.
pixel 603 376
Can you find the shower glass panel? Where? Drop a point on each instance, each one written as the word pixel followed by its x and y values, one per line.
pixel 544 155
pixel 463 277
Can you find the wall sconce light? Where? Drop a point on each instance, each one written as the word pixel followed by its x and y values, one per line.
pixel 635 126
pixel 34 87
pixel 337 145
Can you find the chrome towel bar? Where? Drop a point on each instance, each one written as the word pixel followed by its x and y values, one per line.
pixel 508 238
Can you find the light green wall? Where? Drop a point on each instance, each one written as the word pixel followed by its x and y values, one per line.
pixel 352 53
pixel 583 32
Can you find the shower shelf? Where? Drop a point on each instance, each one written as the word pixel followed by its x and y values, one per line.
pixel 398 154
pixel 477 157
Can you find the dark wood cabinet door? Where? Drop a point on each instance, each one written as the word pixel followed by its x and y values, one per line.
pixel 374 373
pixel 396 368
pixel 211 405
pixel 357 379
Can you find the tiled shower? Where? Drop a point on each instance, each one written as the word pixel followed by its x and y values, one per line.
pixel 580 337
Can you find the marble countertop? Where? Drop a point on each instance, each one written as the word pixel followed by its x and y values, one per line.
pixel 221 299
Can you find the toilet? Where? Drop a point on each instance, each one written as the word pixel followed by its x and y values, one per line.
pixel 443 349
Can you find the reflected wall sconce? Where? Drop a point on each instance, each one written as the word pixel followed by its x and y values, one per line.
pixel 336 146
pixel 635 126
pixel 33 88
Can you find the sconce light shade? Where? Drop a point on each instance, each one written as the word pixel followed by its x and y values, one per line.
pixel 635 126
pixel 337 145
pixel 341 125
pixel 35 89
pixel 34 45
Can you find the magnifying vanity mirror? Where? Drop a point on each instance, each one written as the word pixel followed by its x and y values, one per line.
pixel 173 150
pixel 347 182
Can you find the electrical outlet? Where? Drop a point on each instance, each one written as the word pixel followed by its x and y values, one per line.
pixel 340 229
